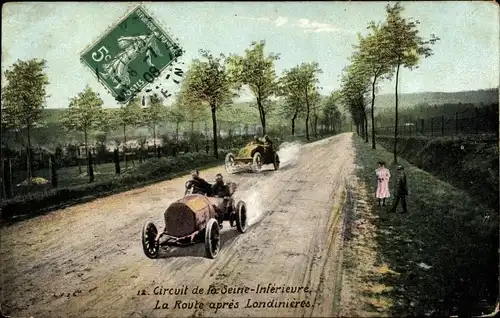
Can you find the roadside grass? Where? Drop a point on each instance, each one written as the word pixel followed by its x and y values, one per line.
pixel 442 256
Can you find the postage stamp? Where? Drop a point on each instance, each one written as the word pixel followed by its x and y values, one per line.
pixel 131 55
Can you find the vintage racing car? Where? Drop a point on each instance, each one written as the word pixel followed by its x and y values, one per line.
pixel 195 218
pixel 253 156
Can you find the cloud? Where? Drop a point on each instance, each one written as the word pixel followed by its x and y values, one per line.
pixel 314 26
pixel 279 21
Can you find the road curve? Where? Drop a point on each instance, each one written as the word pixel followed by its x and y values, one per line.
pixel 87 260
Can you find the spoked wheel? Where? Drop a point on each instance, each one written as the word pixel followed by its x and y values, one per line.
pixel 257 162
pixel 229 163
pixel 212 239
pixel 276 162
pixel 241 217
pixel 149 243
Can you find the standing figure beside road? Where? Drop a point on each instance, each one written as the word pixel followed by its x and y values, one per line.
pixel 383 176
pixel 401 190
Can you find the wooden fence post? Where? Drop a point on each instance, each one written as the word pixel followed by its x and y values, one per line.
pixel 116 159
pixel 432 126
pixel 90 168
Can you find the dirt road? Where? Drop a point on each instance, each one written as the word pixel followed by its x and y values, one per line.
pixel 87 260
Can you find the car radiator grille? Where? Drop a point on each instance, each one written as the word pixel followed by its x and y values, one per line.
pixel 180 220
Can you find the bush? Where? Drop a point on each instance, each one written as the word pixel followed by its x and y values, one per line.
pixel 155 169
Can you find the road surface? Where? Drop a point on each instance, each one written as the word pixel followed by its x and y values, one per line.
pixel 87 260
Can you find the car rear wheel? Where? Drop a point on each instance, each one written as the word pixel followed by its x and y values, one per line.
pixel 212 239
pixel 257 162
pixel 241 217
pixel 150 245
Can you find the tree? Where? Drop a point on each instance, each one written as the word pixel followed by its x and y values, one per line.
pixel 373 59
pixel 256 70
pixel 176 115
pixel 84 114
pixel 154 114
pixel 406 48
pixel 131 115
pixel 192 108
pixel 23 99
pixel 209 81
pixel 330 113
pixel 293 104
pixel 315 111
pixel 302 80
pixel 355 83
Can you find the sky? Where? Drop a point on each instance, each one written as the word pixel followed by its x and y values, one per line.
pixel 466 57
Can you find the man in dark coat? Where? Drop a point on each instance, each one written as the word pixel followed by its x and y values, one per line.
pixel 401 190
pixel 220 189
pixel 199 185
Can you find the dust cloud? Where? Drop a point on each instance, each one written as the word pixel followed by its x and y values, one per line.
pixel 289 153
pixel 256 211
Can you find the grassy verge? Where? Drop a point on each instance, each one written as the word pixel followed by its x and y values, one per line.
pixel 467 162
pixel 439 259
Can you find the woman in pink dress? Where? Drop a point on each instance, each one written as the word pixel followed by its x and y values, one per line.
pixel 383 176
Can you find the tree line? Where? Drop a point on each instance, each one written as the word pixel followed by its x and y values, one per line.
pixel 210 85
pixel 379 56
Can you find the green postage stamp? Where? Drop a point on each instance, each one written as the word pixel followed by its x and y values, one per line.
pixel 131 55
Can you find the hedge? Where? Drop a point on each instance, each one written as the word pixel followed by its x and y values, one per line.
pixel 151 171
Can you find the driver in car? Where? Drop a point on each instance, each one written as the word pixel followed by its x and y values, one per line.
pixel 220 189
pixel 221 192
pixel 199 184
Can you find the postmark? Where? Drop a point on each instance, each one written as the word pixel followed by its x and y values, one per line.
pixel 132 55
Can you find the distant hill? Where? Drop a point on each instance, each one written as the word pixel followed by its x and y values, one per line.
pixel 486 97
pixel 383 101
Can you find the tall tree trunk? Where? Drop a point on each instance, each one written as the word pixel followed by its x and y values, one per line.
pixel 315 126
pixel 372 114
pixel 262 114
pixel 214 123
pixel 396 118
pixel 293 122
pixel 366 128
pixel 307 116
pixel 125 145
pixel 357 129
pixel 28 155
